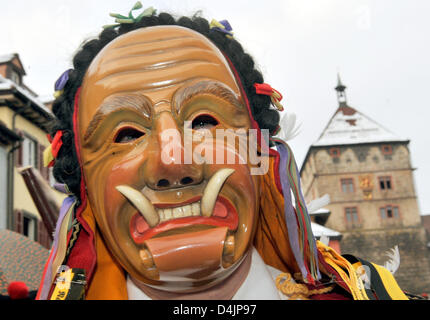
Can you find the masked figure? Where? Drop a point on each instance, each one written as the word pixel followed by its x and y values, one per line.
pixel 163 204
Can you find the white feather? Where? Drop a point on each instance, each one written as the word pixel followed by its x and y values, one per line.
pixel 289 127
pixel 394 260
pixel 318 203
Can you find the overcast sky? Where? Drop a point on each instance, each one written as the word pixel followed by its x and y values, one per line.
pixel 380 48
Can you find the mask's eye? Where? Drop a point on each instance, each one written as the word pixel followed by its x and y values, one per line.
pixel 204 121
pixel 127 134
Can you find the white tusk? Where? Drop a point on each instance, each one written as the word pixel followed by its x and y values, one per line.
pixel 212 189
pixel 141 203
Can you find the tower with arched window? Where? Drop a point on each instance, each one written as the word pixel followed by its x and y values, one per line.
pixel 366 169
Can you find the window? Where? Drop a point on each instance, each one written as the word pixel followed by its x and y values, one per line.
pixel 351 216
pixel 334 152
pixel 14 76
pixel 3 187
pixel 389 212
pixel 29 152
pixel 386 149
pixel 29 227
pixel 347 185
pixel 385 183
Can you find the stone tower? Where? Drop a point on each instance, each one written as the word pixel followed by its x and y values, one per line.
pixel 367 172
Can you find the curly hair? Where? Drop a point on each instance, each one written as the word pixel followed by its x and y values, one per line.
pixel 67 168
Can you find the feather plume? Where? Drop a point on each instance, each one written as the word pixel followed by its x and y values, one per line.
pixel 318 203
pixel 394 260
pixel 289 127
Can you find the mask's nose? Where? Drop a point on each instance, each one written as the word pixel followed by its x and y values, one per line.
pixel 165 168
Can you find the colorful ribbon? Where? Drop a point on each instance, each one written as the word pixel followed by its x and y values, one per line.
pixel 275 95
pixel 67 205
pixel 222 26
pixel 61 82
pixel 119 18
pixel 298 221
pixel 289 212
pixel 51 152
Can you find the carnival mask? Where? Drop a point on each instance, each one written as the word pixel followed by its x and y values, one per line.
pixel 173 214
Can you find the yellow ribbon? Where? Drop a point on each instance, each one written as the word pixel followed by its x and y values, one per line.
pixel 345 269
pixel 47 156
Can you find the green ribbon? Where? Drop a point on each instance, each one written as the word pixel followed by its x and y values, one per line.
pixel 119 18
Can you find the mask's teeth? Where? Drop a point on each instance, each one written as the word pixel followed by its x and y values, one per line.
pixel 189 210
pixel 195 208
pixel 168 214
pixel 178 212
pixel 141 203
pixel 204 208
pixel 212 189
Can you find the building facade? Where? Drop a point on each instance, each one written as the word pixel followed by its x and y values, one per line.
pixel 367 171
pixel 24 121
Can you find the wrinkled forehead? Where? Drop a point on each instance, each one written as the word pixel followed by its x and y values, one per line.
pixel 153 61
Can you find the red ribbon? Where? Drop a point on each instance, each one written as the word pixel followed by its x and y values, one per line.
pixel 266 89
pixel 56 143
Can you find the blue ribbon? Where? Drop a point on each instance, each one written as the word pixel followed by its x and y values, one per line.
pixel 290 215
pixel 62 80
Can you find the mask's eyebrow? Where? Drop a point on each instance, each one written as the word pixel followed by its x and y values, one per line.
pixel 119 103
pixel 206 87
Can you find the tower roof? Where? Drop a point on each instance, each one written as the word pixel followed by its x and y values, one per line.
pixel 349 126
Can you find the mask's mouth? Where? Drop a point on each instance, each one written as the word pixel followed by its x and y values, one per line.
pixel 210 209
pixel 183 218
pixel 202 225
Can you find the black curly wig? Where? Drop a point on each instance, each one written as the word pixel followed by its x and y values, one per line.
pixel 67 168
